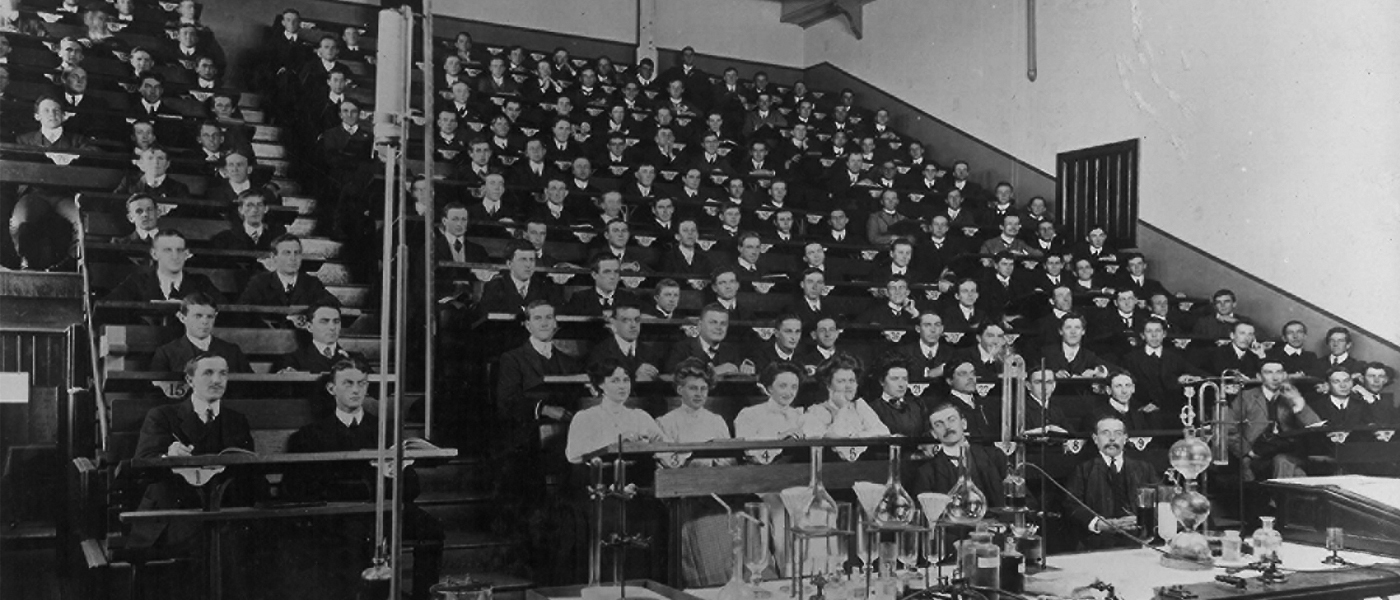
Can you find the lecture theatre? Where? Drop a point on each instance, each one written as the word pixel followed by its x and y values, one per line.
pixel 699 300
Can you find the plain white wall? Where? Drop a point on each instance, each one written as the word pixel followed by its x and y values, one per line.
pixel 1271 128
pixel 743 29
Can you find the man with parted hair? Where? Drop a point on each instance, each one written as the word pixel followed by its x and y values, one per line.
pixel 166 279
pixel 323 326
pixel 685 256
pixel 1221 323
pixel 605 296
pixel 197 425
pixel 1291 353
pixel 520 285
pixel 1161 371
pixel 787 335
pixel 250 231
pixel 197 314
pixel 144 216
pixel 347 543
pixel 1242 354
pixel 642 361
pixel 710 345
pixel 1107 486
pixel 286 284
pixel 1339 351
pixel 1275 407
pixel 985 465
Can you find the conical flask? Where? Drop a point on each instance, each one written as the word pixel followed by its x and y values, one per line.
pixel 969 504
pixel 896 506
pixel 820 513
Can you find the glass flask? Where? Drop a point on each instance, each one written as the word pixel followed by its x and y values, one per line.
pixel 969 504
pixel 819 514
pixel 756 545
pixel 1266 540
pixel 736 589
pixel 896 506
pixel 1015 487
pixel 1190 456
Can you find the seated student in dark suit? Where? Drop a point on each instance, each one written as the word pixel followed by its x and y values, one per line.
pixel 495 206
pixel 251 231
pixel 450 241
pixel 1135 278
pixel 724 287
pixel 617 238
pixel 748 262
pixel 1116 330
pixel 1043 414
pixel 666 301
pixel 1123 404
pixel 167 279
pixel 962 315
pixel 197 425
pixel 154 163
pixel 940 251
pixel 897 311
pixel 928 354
pixel 1107 485
pixel 323 324
pixel 556 212
pixel 837 229
pixel 1160 371
pixel 901 257
pixel 660 222
pixel 807 305
pixel 1221 323
pixel 525 368
pixel 1339 352
pixel 985 465
pixel 710 346
pixel 988 353
pixel 346 543
pixel 1070 358
pixel 787 335
pixel 642 361
pixel 1002 289
pixel 902 413
pixel 512 291
pixel 685 256
pixel 197 313
pixel 605 296
pixel 1241 354
pixel 144 216
pixel 286 284
pixel 824 336
pixel 1290 353
pixel 1342 407
pixel 237 176
pixel 1095 247
pixel 983 413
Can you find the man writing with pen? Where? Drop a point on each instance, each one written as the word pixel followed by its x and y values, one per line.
pixel 194 426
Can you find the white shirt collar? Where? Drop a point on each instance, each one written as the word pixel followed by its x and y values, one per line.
pixel 259 230
pixel 166 280
pixel 545 349
pixel 52 135
pixel 202 406
pixel 1154 351
pixel 1291 351
pixel 321 348
pixel 826 352
pixel 1070 351
pixel 203 344
pixel 349 419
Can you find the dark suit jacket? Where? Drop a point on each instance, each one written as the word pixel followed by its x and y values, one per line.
pixel 265 289
pixel 341 481
pixel 918 363
pixel 880 313
pixel 767 354
pixel 475 253
pixel 644 354
pixel 1145 291
pixel 798 306
pixel 1357 414
pixel 1222 358
pixel 235 238
pixel 134 183
pixel 143 285
pixel 1134 420
pixel 172 356
pixel 672 261
pixel 1109 494
pixel 307 359
pixel 589 303
pixel 1055 360
pixel 500 295
pixel 1156 377
pixel 1305 362
pixel 521 370
pixel 1038 416
pixel 165 424
pixel 987 470
pixel 953 320
pixel 930 259
pixel 729 351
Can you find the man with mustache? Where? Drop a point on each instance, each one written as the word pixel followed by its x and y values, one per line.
pixel 1107 486
pixel 985 465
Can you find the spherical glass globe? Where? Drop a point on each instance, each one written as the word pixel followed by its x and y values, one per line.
pixel 1191 509
pixel 1190 456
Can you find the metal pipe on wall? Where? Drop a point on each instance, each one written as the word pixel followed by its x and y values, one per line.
pixel 401 311
pixel 429 224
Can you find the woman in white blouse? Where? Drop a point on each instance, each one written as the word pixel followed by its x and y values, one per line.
pixel 842 415
pixel 776 419
pixel 691 421
pixel 602 425
pixel 705 539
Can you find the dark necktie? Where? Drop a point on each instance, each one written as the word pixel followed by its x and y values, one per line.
pixel 288 288
pixel 457 246
pixel 171 293
pixel 329 352
pixel 208 416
